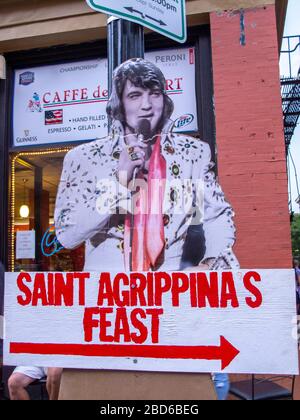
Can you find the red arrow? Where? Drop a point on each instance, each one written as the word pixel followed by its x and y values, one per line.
pixel 226 352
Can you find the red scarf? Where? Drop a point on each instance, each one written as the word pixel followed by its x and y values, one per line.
pixel 148 238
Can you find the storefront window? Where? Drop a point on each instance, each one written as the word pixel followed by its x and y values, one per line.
pixel 34 182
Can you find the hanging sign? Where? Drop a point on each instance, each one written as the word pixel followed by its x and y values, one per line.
pixel 60 103
pixel 67 102
pixel 166 17
pixel 178 67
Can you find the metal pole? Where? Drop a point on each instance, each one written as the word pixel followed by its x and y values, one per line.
pixel 125 40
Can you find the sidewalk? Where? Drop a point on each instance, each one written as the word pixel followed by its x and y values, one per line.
pixel 284 382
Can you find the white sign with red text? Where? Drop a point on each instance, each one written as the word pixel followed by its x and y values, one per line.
pixel 67 102
pixel 238 322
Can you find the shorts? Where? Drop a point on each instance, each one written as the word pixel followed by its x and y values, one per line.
pixel 32 371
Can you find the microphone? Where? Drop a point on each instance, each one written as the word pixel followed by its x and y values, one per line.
pixel 144 130
pixel 143 133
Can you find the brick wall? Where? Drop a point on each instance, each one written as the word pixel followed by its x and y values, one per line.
pixel 250 141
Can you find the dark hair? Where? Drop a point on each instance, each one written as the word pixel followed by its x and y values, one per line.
pixel 141 73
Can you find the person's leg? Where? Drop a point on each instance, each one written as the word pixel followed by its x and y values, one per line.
pixel 222 385
pixel 21 377
pixel 53 382
pixel 17 383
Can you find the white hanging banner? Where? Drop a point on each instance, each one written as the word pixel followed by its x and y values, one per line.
pixel 238 322
pixel 178 67
pixel 67 102
pixel 60 103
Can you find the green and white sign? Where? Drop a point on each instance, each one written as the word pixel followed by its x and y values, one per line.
pixel 164 16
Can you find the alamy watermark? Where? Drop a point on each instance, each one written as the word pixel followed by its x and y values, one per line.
pixel 177 197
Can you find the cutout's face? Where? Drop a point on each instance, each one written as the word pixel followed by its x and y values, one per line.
pixel 141 104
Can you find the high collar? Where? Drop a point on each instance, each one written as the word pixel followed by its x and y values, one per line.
pixel 117 133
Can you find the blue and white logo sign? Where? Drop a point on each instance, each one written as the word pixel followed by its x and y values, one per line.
pixel 184 121
pixel 26 78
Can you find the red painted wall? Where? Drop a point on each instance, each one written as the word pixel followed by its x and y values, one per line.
pixel 250 140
